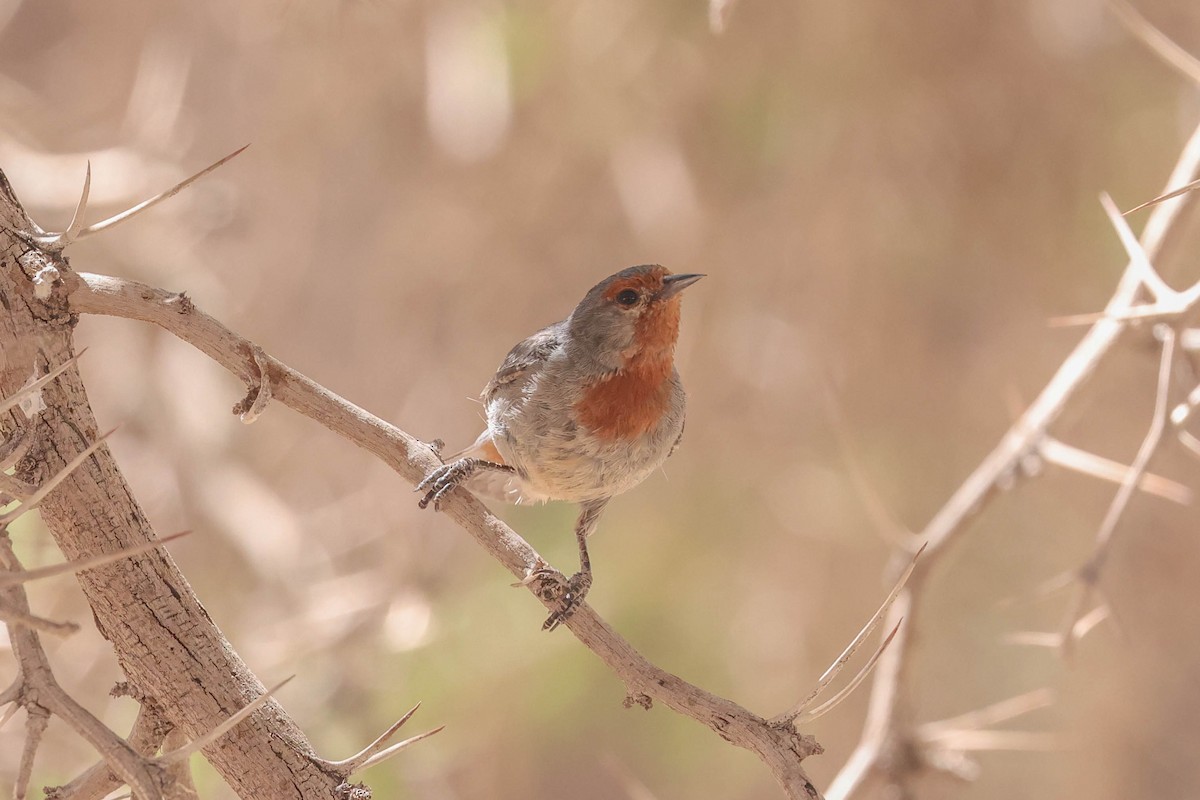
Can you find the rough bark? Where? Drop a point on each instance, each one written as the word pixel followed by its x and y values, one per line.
pixel 164 640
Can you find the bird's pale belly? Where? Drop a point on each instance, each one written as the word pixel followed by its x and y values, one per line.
pixel 559 466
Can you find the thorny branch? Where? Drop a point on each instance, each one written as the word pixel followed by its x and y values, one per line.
pixel 894 749
pixel 88 508
pixel 36 690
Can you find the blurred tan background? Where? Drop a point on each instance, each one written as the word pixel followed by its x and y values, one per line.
pixel 888 199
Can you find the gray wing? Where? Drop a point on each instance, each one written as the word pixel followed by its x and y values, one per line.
pixel 525 356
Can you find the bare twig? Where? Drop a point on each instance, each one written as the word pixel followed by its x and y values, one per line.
pixel 37 718
pixel 840 662
pixel 179 784
pixel 1139 261
pixel 1055 640
pixel 147 735
pixel 879 757
pixel 1158 42
pixel 38 692
pixel 1180 415
pixel 783 751
pixel 1094 466
pixel 1170 52
pixel 994 714
pixel 11 616
pixel 1169 300
pixel 1090 574
pixel 1025 741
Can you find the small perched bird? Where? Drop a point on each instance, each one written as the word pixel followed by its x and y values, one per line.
pixel 581 411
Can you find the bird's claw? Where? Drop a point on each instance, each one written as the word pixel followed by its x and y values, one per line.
pixel 548 583
pixel 441 480
pixel 567 592
pixel 553 587
pixel 538 571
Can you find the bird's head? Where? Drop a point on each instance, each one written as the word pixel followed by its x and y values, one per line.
pixel 629 317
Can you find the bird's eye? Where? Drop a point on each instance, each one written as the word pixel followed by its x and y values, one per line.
pixel 627 297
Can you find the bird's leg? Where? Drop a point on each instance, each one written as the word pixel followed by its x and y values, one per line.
pixel 446 477
pixel 572 590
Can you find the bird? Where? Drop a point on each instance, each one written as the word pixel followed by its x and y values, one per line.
pixel 581 411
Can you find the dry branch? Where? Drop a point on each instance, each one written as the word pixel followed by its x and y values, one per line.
pixel 163 639
pixel 891 751
pixel 147 735
pixel 38 692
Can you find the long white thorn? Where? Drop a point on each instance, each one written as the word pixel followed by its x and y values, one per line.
pixel 116 219
pixel 355 762
pixel 196 745
pixel 1182 190
pixel 80 564
pixel 57 242
pixel 380 757
pixel 840 662
pixel 835 701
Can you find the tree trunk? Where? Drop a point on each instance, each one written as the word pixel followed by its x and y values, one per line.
pixel 164 640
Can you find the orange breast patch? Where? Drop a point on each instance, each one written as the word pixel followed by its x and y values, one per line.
pixel 626 404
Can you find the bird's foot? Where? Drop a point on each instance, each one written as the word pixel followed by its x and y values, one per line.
pixel 441 480
pixel 553 587
pixel 567 593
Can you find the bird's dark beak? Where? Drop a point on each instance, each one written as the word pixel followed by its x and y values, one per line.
pixel 674 284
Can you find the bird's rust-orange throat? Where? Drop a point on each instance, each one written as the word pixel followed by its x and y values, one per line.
pixel 629 402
